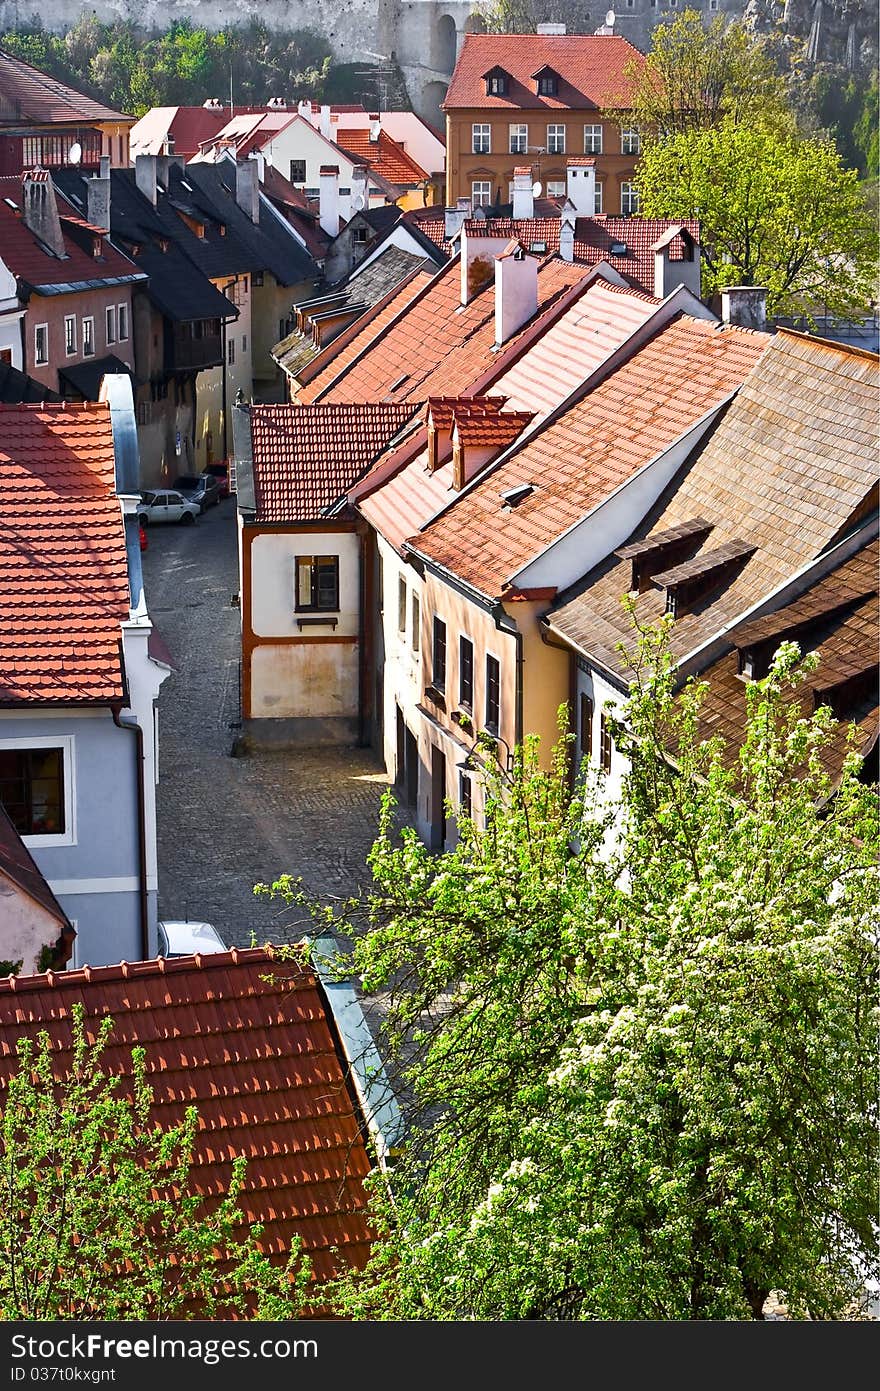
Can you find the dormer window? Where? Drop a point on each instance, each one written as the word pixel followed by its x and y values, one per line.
pixel 546 82
pixel 496 82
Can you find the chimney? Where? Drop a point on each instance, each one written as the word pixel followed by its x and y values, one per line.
pixel 375 126
pixel 454 217
pixel 98 196
pixel 40 210
pixel 247 187
pixel 745 306
pixel 669 274
pixel 549 30
pixel 324 122
pixel 145 176
pixel 305 109
pixel 477 261
pixel 213 104
pixel 523 197
pixel 328 198
pixel 580 185
pixel 567 222
pixel 359 195
pixel 516 290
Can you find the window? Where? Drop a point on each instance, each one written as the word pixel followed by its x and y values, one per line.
pixel 556 140
pixel 88 332
pixel 592 140
pixel 359 236
pixel 401 605
pixel 466 673
pixel 556 188
pixel 465 798
pixel 111 323
pixel 122 322
pixel 481 139
pixel 597 198
pixel 36 788
pixel 606 743
pixel 519 139
pixel 41 344
pixel 438 656
pixel 713 4
pixel 481 193
pixel 496 85
pixel 70 334
pixel 244 342
pixel 230 352
pixel 493 695
pixel 547 85
pixel 585 732
pixel 317 582
pixel 629 199
pixel 630 142
pixel 297 171
pixel 416 634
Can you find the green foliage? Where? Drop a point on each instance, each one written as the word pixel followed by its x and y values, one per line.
pixel 524 16
pixel 774 210
pixel 98 1221
pixel 639 1039
pixel 847 107
pixel 10 968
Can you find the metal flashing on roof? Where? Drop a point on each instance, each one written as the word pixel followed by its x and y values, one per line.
pixel 69 287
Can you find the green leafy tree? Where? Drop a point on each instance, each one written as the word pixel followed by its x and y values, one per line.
pixel 524 16
pixel 638 1039
pixel 774 210
pixel 97 1218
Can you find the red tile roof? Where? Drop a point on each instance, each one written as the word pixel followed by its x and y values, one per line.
pixel 386 156
pixel 578 459
pixel 40 99
pixel 306 457
pixel 590 69
pixel 63 568
pixel 189 127
pixel 248 1040
pixel 27 258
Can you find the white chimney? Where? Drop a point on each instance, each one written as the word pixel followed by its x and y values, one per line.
pixel 550 29
pixel 669 274
pixel 567 222
pixel 305 109
pixel 359 196
pixel 375 126
pixel 328 198
pixel 145 176
pixel 477 264
pixel 247 187
pixel 325 121
pixel 523 197
pixel 745 306
pixel 453 218
pixel 580 185
pixel 516 290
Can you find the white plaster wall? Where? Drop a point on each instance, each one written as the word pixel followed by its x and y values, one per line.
pixel 402 683
pixel 304 680
pixel 25 927
pixel 273 574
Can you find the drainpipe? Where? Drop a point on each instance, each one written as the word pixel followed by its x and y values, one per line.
pixel 138 733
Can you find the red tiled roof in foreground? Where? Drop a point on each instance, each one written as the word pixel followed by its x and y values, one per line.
pixel 590 67
pixel 63 569
pixel 306 457
pixel 247 1040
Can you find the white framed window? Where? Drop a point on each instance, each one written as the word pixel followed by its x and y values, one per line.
pixel 556 188
pixel 556 140
pixel 88 336
pixel 110 324
pixel 122 322
pixel 630 141
pixel 41 344
pixel 230 352
pixel 519 139
pixel 38 788
pixel 70 335
pixel 592 140
pixel 481 139
pixel 598 197
pixel 416 634
pixel 401 604
pixel 481 193
pixel 629 200
pixel 713 4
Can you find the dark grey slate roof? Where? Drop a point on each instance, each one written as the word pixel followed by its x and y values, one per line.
pixel 86 377
pixel 17 387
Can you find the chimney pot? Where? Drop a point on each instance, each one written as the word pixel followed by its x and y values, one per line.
pixel 567 223
pixel 324 121
pixel 523 197
pixel 745 306
pixel 580 187
pixel 40 210
pixel 328 199
pixel 247 187
pixel 145 176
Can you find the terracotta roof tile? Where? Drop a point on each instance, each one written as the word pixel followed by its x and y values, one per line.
pixel 590 67
pixel 249 1041
pixel 386 156
pixel 29 259
pixel 63 566
pixel 41 99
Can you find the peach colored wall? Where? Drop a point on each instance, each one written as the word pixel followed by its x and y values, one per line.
pixel 54 309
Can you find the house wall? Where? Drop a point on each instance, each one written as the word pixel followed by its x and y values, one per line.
pixel 53 309
pixel 402 666
pixel 11 315
pixel 211 409
pixel 25 927
pixel 270 306
pixel 95 879
pixel 588 681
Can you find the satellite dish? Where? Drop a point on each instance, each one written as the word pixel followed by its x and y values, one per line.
pixel 75 153
pixel 537 188
pixel 357 202
pixel 610 18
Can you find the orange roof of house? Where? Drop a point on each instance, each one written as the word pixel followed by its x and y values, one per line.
pixel 248 1040
pixel 38 99
pixel 386 156
pixel 64 587
pixel 579 458
pixel 590 68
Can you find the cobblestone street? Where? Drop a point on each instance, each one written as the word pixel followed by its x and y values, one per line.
pixel 226 823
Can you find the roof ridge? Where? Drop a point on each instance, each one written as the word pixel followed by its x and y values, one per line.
pixel 133 970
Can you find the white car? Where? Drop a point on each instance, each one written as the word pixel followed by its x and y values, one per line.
pixel 166 505
pixel 187 938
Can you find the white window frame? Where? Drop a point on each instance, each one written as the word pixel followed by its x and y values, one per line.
pixel 480 131
pixel 598 197
pixel 554 147
pixel 477 199
pixel 630 141
pixel 67 744
pixel 556 188
pixel 68 339
pixel 38 329
pixel 517 132
pixel 592 141
pixel 88 337
pixel 110 324
pixel 629 194
pixel 122 319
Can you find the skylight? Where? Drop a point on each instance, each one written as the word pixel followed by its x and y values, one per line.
pixel 619 248
pixel 511 497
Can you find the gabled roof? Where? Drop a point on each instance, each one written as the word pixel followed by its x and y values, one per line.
pixel 306 457
pixel 588 450
pixel 268 242
pixel 791 466
pixel 41 100
pixel 590 68
pixel 386 156
pixel 17 387
pixel 189 127
pixel 63 567
pixel 86 377
pixel 37 267
pixel 249 1040
pixel 18 865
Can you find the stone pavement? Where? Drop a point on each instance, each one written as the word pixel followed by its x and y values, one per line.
pixel 226 823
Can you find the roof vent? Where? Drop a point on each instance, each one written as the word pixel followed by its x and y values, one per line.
pixel 512 497
pixel 691 582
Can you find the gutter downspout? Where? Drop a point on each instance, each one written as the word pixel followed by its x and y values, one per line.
pixel 138 733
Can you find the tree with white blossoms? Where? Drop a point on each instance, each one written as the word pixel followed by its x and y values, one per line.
pixel 641 1065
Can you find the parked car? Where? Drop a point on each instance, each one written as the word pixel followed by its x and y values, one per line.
pixel 186 938
pixel 221 473
pixel 166 505
pixel 142 536
pixel 202 488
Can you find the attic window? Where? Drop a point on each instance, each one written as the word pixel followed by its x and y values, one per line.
pixel 512 497
pixel 546 82
pixel 619 248
pixel 687 584
pixel 539 246
pixel 757 640
pixel 662 550
pixel 496 86
pixel 853 682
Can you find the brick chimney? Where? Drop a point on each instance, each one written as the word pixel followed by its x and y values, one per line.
pixel 516 290
pixel 523 197
pixel 580 185
pixel 745 306
pixel 247 187
pixel 98 196
pixel 145 175
pixel 40 210
pixel 328 198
